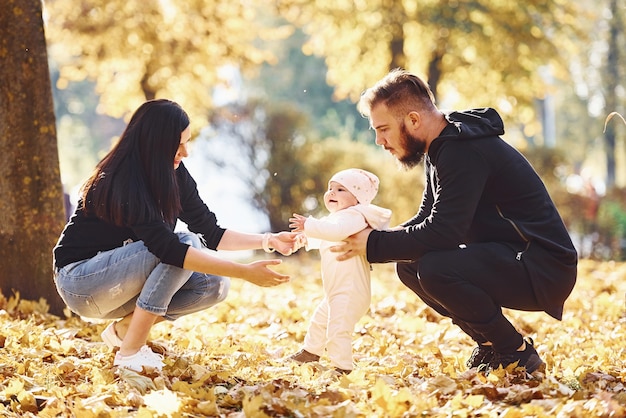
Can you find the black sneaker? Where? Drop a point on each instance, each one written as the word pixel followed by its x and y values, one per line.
pixel 481 357
pixel 529 359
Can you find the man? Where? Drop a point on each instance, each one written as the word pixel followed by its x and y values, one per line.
pixel 487 234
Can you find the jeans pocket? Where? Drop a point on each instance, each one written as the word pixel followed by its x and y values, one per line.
pixel 83 305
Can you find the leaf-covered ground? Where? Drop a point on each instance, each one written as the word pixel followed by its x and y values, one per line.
pixel 229 361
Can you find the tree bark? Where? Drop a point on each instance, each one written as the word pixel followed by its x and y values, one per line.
pixel 611 95
pixel 31 203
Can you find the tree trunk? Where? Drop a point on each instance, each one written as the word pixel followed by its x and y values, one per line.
pixel 434 72
pixel 611 95
pixel 395 18
pixel 31 203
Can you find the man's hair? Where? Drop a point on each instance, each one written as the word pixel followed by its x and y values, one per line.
pixel 136 181
pixel 401 91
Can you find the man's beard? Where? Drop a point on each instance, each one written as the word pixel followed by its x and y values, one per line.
pixel 414 149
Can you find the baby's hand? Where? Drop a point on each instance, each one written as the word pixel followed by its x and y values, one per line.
pixel 297 223
pixel 300 241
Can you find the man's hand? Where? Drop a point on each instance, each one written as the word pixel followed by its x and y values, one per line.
pixel 352 246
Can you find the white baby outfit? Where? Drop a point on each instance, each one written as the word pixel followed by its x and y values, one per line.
pixel 347 292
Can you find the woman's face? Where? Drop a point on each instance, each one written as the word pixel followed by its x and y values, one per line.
pixel 182 152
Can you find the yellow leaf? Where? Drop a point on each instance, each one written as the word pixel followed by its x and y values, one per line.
pixel 495 376
pixel 14 387
pixel 135 380
pixel 252 406
pixel 53 408
pixel 456 403
pixel 163 401
pixel 27 401
pixel 208 408
pixel 449 369
pixel 443 383
pixel 474 400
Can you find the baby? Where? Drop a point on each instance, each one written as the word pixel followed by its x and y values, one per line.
pixel 347 293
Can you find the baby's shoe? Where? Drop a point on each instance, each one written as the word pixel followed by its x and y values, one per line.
pixel 304 356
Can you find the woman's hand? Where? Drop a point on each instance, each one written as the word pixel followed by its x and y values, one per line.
pixel 284 242
pixel 257 272
pixel 261 275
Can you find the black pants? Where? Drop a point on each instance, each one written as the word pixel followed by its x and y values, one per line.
pixel 471 285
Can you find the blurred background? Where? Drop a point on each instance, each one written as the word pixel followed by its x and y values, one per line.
pixel 271 88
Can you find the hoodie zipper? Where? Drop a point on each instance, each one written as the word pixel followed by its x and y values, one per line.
pixel 518 256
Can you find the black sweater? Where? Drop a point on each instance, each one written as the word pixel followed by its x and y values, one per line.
pixel 480 189
pixel 86 235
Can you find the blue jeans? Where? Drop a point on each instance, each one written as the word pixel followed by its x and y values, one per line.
pixel 113 282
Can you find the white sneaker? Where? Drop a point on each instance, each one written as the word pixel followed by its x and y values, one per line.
pixel 143 357
pixel 110 338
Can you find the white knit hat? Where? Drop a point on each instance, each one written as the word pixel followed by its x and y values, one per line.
pixel 362 184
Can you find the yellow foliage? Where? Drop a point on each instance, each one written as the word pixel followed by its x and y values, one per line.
pixel 451 46
pixel 137 50
pixel 164 402
pixel 402 366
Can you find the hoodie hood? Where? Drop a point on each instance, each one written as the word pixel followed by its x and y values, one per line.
pixel 473 123
pixel 467 125
pixel 375 216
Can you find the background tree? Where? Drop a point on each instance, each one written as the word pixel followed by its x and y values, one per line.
pixel 517 57
pixel 263 140
pixel 137 50
pixel 31 208
pixel 472 53
pixel 594 92
pixel 612 82
pixel 287 169
pixel 300 80
pixel 84 135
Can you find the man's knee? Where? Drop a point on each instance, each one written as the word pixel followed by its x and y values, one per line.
pixel 420 277
pixel 430 272
pixel 407 273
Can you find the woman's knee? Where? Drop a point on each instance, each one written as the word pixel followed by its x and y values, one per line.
pixel 190 238
pixel 213 288
pixel 224 288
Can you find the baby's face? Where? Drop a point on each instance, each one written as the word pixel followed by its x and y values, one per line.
pixel 338 197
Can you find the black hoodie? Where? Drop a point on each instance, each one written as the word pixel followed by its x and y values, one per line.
pixel 480 189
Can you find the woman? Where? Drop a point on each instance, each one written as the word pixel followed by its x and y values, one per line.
pixel 119 257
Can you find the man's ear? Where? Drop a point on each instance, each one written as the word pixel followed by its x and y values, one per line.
pixel 413 120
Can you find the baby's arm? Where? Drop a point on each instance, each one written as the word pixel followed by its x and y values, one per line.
pixel 336 227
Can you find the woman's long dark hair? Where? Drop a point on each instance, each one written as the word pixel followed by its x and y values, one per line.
pixel 136 181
